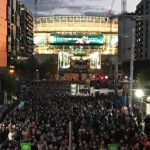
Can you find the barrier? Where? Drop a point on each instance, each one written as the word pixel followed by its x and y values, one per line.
pixel 8 110
pixel 104 91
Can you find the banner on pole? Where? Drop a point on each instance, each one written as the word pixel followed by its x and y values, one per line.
pixel 25 146
pixel 113 147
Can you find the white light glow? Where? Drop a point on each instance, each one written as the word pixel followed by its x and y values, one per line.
pixel 139 93
pixel 126 77
pixel 148 99
pixel 106 77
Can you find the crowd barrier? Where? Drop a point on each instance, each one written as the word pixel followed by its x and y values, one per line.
pixel 8 110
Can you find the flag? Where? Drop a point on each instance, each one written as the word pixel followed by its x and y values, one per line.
pixel 113 147
pixel 25 146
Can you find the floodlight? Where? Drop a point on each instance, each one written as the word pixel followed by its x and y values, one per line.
pixel 139 93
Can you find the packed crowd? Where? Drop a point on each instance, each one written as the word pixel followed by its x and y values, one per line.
pixel 44 121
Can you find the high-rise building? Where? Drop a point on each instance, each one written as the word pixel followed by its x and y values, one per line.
pixel 142 38
pixel 26 38
pixel 142 42
pixel 16 26
pixel 13 30
pixel 124 37
pixel 3 35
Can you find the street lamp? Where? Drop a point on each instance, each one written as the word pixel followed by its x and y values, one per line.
pixel 139 93
pixel 131 67
pixel 37 74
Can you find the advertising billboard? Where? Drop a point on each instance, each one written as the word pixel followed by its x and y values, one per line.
pixel 40 39
pixel 73 89
pixel 64 60
pixel 74 40
pixel 95 60
pixel 112 40
pixel 110 45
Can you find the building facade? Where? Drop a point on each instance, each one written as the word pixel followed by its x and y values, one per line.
pixel 26 38
pixel 15 23
pixel 124 38
pixel 82 43
pixel 3 35
pixel 45 27
pixel 141 26
pixel 142 35
pixel 13 30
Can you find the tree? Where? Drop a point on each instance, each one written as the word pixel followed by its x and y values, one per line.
pixel 27 68
pixel 144 75
pixel 8 82
pixel 49 67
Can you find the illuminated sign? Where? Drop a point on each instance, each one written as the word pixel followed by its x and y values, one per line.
pixel 73 89
pixel 40 39
pixel 64 60
pixel 95 60
pixel 87 40
pixel 112 41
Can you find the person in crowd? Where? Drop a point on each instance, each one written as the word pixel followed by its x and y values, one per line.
pixel 44 121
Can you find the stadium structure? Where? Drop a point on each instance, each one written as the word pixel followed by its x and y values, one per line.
pixel 82 43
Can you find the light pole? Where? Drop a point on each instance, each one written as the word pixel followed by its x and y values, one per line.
pixel 70 134
pixel 131 67
pixel 37 74
pixel 58 63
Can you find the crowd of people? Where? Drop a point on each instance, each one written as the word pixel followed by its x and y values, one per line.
pixel 96 122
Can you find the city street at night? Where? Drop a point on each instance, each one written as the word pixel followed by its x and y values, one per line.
pixel 74 75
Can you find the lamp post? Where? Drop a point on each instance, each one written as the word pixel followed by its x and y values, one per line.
pixel 58 63
pixel 37 74
pixel 131 68
pixel 70 134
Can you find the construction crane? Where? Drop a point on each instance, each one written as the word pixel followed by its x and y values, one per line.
pixel 111 7
pixel 35 4
pixel 77 9
pixel 123 6
pixel 110 14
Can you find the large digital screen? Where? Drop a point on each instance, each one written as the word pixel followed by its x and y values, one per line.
pixel 40 39
pixel 73 89
pixel 112 41
pixel 110 46
pixel 64 60
pixel 95 60
pixel 71 40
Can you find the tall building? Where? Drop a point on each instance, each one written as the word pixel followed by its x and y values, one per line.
pixel 13 30
pixel 142 42
pixel 3 35
pixel 16 25
pixel 142 38
pixel 26 38
pixel 124 38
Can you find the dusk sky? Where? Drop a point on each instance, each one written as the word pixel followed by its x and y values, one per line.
pixel 77 7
